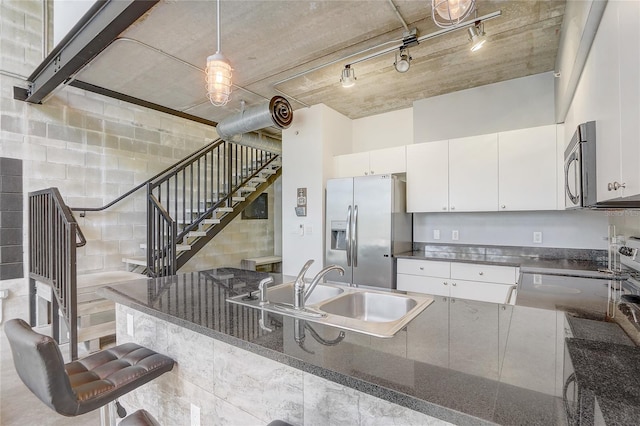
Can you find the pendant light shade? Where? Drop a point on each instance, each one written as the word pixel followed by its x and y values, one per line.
pixel 446 13
pixel 218 73
pixel 218 79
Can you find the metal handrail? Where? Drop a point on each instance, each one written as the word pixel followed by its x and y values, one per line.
pixel 166 171
pixel 53 234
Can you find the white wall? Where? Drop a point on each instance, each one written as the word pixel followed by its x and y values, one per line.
pixel 66 13
pixel 570 229
pixel 308 146
pixel 508 105
pixel 386 130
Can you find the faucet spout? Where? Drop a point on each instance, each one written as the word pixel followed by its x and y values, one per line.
pixel 302 293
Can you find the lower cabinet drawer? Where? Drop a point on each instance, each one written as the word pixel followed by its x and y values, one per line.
pixel 426 268
pixel 428 285
pixel 484 273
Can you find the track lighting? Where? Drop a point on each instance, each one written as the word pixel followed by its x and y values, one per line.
pixel 348 78
pixel 477 36
pixel 403 60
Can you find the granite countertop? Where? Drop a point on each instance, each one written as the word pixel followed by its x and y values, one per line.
pixel 529 259
pixel 461 361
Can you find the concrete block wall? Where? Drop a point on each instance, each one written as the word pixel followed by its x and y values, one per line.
pixel 11 262
pixel 93 149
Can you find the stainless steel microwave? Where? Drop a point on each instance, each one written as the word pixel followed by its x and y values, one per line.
pixel 580 168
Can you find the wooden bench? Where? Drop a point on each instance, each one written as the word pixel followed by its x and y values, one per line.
pixel 265 263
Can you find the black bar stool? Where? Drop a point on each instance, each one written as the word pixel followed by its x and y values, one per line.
pixel 84 385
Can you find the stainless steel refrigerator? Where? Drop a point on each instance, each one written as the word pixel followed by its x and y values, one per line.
pixel 366 225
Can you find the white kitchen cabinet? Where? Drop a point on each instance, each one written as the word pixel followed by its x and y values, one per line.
pixel 473 173
pixel 377 162
pixel 428 177
pixel 527 169
pixel 486 283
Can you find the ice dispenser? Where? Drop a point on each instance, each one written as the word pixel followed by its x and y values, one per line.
pixel 338 235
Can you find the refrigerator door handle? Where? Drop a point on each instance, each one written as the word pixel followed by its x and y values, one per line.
pixel 348 236
pixel 354 236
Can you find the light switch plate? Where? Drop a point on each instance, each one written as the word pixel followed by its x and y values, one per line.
pixel 455 235
pixel 537 237
pixel 436 234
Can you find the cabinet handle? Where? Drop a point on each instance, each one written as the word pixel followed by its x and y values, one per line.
pixel 453 208
pixel 422 268
pixel 445 283
pixel 480 273
pixel 444 208
pixel 453 284
pixel 617 185
pixel 366 173
pixel 372 172
pixel 609 186
pixel 503 206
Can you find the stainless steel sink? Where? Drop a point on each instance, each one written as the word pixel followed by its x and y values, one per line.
pixel 283 293
pixel 368 306
pixel 376 313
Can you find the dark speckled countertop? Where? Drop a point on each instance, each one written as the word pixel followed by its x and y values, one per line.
pixel 461 361
pixel 529 259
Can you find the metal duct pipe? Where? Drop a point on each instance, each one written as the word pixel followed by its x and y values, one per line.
pixel 277 113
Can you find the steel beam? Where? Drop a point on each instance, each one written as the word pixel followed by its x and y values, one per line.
pixel 98 28
pixel 140 102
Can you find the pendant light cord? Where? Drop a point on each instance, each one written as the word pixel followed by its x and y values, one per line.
pixel 218 24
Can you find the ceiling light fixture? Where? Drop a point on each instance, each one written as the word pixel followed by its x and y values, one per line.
pixel 477 36
pixel 447 13
pixel 348 78
pixel 218 73
pixel 403 60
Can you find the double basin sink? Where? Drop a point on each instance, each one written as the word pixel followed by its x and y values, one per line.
pixel 376 313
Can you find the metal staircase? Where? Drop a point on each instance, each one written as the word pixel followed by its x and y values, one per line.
pixel 188 204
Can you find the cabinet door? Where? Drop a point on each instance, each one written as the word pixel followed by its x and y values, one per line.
pixel 428 177
pixel 387 161
pixel 603 96
pixel 427 285
pixel 351 165
pixel 473 173
pixel 426 268
pixel 481 291
pixel 527 169
pixel 629 41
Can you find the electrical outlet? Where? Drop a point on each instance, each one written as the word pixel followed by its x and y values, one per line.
pixel 537 279
pixel 436 234
pixel 537 237
pixel 130 325
pixel 195 415
pixel 4 294
pixel 455 235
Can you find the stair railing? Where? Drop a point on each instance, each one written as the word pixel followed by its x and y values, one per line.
pixel 191 192
pixel 54 236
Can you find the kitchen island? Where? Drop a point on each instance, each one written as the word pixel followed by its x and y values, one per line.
pixel 459 361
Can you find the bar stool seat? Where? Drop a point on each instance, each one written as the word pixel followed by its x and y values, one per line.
pixel 139 418
pixel 85 385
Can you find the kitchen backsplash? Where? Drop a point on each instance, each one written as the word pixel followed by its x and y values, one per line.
pixel 582 229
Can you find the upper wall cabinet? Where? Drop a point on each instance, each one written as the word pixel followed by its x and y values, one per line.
pixel 428 177
pixel 378 162
pixel 508 171
pixel 473 173
pixel 527 169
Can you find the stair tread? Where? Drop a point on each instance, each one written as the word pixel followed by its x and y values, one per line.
pixel 179 247
pixel 238 198
pixel 95 307
pixel 197 234
pixel 224 210
pixel 136 260
pixel 248 189
pixel 96 331
pixel 211 221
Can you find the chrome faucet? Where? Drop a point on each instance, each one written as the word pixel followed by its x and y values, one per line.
pixel 301 292
pixel 262 287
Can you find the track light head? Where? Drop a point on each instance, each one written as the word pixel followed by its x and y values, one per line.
pixel 348 78
pixel 403 60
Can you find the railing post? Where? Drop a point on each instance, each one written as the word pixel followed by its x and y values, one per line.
pixel 230 158
pixel 150 222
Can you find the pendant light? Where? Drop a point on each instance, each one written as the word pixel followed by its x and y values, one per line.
pixel 447 13
pixel 218 73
